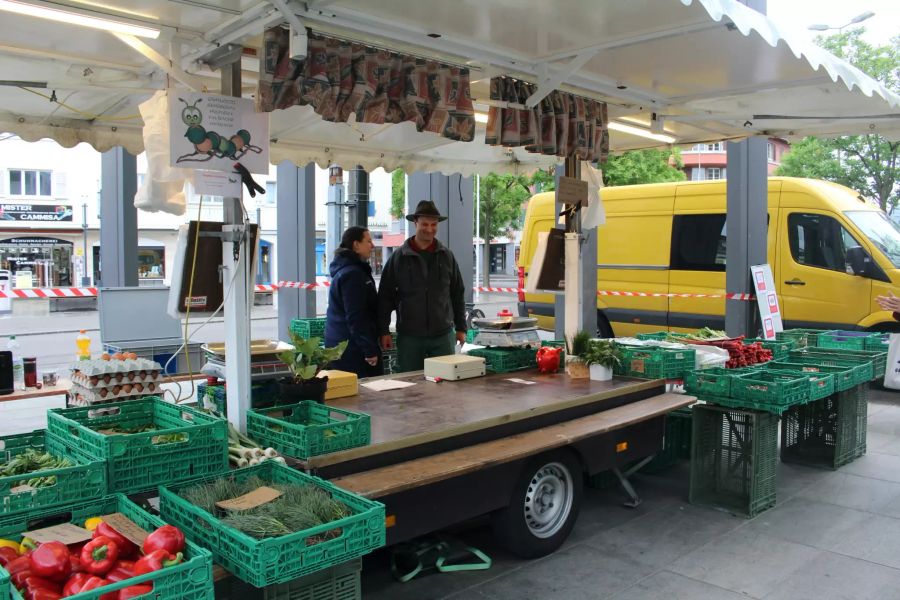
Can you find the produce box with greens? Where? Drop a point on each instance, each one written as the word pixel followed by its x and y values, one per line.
pixel 107 549
pixel 144 442
pixel 37 472
pixel 271 524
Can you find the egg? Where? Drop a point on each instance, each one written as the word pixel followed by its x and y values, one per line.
pixel 127 388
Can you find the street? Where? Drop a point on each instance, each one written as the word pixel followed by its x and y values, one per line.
pixel 51 338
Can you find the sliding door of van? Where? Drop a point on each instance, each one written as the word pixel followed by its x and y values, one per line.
pixel 817 287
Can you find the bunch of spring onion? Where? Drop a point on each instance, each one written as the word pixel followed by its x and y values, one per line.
pixel 31 461
pixel 244 452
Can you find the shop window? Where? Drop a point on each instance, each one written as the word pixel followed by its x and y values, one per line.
pixel 714 173
pixel 819 241
pixel 770 151
pixel 271 192
pixel 30 183
pixel 151 262
pixel 698 243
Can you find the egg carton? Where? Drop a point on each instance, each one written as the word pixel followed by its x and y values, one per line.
pixel 116 367
pixel 110 380
pixel 80 400
pixel 115 392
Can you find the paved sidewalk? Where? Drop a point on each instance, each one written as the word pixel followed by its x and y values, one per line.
pixel 833 535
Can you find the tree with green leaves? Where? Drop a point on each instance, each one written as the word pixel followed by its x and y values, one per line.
pixel 643 166
pixel 398 194
pixel 869 164
pixel 500 204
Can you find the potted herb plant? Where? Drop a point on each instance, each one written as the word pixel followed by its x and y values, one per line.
pixel 601 357
pixel 305 361
pixel 577 347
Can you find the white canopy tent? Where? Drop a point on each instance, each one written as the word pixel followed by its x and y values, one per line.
pixel 707 69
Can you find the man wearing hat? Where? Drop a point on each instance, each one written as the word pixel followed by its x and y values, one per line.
pixel 422 282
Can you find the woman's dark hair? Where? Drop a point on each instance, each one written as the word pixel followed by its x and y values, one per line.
pixel 353 234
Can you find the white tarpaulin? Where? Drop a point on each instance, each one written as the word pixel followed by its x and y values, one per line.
pixel 707 69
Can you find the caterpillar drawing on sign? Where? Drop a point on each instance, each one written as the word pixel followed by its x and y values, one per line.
pixel 209 144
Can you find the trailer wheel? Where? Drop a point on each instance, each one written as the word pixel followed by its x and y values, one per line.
pixel 543 507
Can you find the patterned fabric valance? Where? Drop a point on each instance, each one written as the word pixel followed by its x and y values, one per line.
pixel 340 78
pixel 562 124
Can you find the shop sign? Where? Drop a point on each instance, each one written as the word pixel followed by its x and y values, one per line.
pixel 35 212
pixel 767 300
pixel 34 241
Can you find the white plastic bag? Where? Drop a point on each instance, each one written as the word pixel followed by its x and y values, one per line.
pixel 892 372
pixel 163 188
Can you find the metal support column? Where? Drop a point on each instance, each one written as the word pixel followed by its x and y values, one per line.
pixel 236 256
pixel 358 197
pixel 746 229
pixel 453 195
pixel 296 248
pixel 559 300
pixel 118 219
pixel 334 211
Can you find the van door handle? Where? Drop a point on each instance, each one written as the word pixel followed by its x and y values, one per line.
pixel 795 281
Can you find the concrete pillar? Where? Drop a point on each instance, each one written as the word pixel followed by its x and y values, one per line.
pixel 296 249
pixel 746 229
pixel 118 219
pixel 453 195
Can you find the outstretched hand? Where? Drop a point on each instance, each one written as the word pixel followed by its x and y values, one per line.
pixel 891 302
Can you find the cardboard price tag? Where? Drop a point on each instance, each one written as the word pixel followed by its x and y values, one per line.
pixel 128 528
pixel 571 191
pixel 65 533
pixel 22 489
pixel 257 497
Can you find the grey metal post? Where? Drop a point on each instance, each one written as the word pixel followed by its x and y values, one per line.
pixel 453 195
pixel 334 210
pixel 559 300
pixel 746 229
pixel 358 197
pixel 296 211
pixel 118 219
pixel 589 279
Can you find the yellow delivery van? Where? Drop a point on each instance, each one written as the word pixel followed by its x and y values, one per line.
pixel 831 254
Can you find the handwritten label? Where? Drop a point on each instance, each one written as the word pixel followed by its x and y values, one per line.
pixel 571 191
pixel 257 497
pixel 65 533
pixel 128 528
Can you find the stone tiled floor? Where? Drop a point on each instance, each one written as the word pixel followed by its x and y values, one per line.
pixel 832 535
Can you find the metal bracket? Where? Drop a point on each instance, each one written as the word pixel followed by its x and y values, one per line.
pixel 634 500
pixel 222 56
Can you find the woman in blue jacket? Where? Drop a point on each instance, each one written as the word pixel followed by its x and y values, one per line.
pixel 352 305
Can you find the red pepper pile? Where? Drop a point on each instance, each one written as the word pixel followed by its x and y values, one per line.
pixel 52 570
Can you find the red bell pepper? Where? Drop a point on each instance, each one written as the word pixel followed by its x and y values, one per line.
pixel 92 583
pixel 7 555
pixel 99 555
pixel 39 587
pixel 135 591
pixel 23 563
pixel 127 548
pixel 18 580
pixel 156 560
pixel 167 537
pixel 124 569
pixel 73 585
pixel 51 560
pixel 42 594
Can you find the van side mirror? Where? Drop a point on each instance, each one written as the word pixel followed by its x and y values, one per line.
pixel 859 260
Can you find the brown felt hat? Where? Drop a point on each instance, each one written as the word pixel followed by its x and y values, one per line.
pixel 426 208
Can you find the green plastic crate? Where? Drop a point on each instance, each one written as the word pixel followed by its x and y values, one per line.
pixel 676 441
pixel 5 586
pixel 742 404
pixel 771 387
pixel 189 580
pixel 85 480
pixel 734 459
pixel 879 342
pixel 715 381
pixel 212 397
pixel 309 328
pixel 308 428
pixel 845 377
pixel 878 359
pixel 780 349
pixel 652 362
pixel 864 370
pixel 279 559
pixel 139 462
pixel 470 335
pixel 660 335
pixel 829 433
pixel 844 340
pixel 802 338
pixel 337 583
pixel 821 385
pixel 505 360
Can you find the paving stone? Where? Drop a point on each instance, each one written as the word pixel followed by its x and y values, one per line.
pixel 876 539
pixel 853 491
pixel 803 521
pixel 671 586
pixel 835 577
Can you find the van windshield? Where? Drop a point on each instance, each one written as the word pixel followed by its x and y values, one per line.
pixel 881 231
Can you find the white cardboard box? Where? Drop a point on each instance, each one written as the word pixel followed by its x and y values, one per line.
pixel 454 367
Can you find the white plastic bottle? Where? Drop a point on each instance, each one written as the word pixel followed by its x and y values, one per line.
pixel 18 367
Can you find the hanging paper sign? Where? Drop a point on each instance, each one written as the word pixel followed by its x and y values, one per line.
pixel 217 183
pixel 213 132
pixel 571 191
pixel 767 300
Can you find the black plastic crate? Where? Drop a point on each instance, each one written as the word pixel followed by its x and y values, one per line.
pixel 734 459
pixel 828 433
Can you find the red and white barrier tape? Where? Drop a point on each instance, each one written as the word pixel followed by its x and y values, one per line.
pixel 273 287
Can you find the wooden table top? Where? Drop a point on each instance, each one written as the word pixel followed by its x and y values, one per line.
pixel 429 411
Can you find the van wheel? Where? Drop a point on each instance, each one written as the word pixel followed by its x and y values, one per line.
pixel 543 507
pixel 604 328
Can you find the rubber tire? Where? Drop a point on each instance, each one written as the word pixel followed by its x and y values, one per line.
pixel 604 327
pixel 510 529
